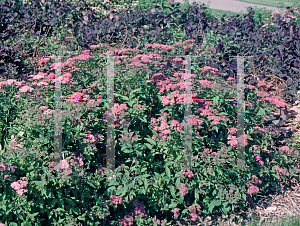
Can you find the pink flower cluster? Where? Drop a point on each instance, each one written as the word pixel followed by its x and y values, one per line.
pixel 158 221
pixel 252 189
pixel 118 110
pixel 14 145
pixel 207 83
pixel 63 165
pixel 204 111
pixel 164 127
pixel 194 216
pixel 183 188
pixel 232 140
pixel 188 173
pixel 19 185
pixel 188 47
pixel 260 129
pixel 10 82
pixel 139 209
pixel 78 160
pixel 128 220
pixel 282 171
pixel 176 213
pixel 255 180
pixel 286 148
pixel 3 167
pixel 116 200
pixel 160 46
pixel 259 159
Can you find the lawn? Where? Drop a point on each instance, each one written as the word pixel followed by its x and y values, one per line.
pixel 274 3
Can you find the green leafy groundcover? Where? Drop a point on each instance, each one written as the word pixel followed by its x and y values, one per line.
pixel 150 175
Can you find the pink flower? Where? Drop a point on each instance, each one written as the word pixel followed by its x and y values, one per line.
pixel 45 60
pixel 187 47
pixel 38 76
pixel 115 199
pixel 110 178
pixel 67 172
pixel 189 173
pixel 21 191
pixel 64 164
pixel 286 148
pixel 194 216
pixel 184 190
pixel 232 140
pixel 128 220
pixel 19 185
pixel 256 180
pixel 249 86
pixel 276 12
pixel 252 189
pixel 25 89
pixel 205 83
pixel 232 130
pixel 176 213
pixel 9 82
pixel 76 95
pixel 190 41
pixel 259 159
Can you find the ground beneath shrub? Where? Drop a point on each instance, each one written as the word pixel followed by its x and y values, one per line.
pixel 280 202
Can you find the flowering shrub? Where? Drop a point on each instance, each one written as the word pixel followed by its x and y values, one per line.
pixel 147 186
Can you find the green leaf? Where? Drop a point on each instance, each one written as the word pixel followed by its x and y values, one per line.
pixel 173 205
pixel 225 208
pixel 172 189
pixel 143 170
pixel 127 150
pixel 215 128
pixel 121 96
pixel 168 172
pixel 213 204
pixel 54 202
pixel 60 209
pixel 196 195
pixel 145 185
pixel 124 191
pixel 119 191
pixel 113 183
pixel 143 119
pixel 261 112
pixel 177 183
pixel 43 192
pixel 71 202
pixel 149 146
pixel 146 175
pixel 285 157
pixel 150 141
pixel 32 215
pixel 276 122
